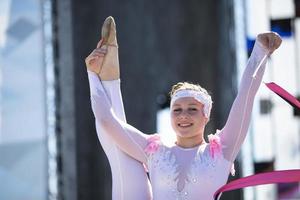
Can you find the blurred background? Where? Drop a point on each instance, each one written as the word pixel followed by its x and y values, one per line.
pixel 48 145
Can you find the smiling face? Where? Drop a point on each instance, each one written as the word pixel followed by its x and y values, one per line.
pixel 187 118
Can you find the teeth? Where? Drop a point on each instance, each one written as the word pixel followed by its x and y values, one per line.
pixel 184 125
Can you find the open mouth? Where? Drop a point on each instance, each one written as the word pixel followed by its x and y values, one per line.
pixel 185 125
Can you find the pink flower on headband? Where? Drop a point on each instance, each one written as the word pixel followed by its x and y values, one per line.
pixel 215 146
pixel 153 144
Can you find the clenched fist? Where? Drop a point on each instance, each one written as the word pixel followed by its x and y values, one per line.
pixel 269 40
pixel 95 59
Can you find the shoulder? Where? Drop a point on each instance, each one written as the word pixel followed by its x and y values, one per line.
pixel 215 149
pixel 153 143
pixel 215 145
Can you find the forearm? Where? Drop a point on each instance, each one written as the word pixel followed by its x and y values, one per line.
pixel 249 85
pixel 98 93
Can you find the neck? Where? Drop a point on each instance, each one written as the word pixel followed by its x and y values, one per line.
pixel 190 142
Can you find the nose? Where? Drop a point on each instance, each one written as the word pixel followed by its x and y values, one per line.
pixel 184 115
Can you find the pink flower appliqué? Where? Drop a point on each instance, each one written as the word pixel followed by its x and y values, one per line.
pixel 215 147
pixel 153 144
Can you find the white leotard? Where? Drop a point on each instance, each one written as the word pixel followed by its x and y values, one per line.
pixel 178 173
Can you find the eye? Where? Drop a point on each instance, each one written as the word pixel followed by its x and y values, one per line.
pixel 193 110
pixel 177 110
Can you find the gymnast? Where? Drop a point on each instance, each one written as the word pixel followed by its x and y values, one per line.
pixel 190 168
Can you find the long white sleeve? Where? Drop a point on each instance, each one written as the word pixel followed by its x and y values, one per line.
pixel 129 139
pixel 112 89
pixel 235 130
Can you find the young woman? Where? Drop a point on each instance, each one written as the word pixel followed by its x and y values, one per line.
pixel 129 179
pixel 190 168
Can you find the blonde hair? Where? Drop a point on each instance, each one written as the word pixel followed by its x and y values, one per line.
pixel 187 86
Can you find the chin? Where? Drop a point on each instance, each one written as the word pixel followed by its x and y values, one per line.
pixel 184 134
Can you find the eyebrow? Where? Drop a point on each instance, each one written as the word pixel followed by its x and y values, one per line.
pixel 190 104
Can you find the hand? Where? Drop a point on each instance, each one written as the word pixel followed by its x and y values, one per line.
pixel 269 40
pixel 95 60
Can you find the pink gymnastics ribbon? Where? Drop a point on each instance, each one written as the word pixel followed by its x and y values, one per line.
pixel 283 94
pixel 284 176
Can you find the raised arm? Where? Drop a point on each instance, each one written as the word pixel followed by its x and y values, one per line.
pixel 129 139
pixel 235 130
pixel 113 92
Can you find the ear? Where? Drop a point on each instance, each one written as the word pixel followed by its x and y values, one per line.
pixel 206 120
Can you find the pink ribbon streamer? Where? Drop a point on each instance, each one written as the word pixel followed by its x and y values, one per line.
pixel 283 94
pixel 283 176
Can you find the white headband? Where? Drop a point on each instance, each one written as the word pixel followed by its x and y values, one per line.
pixel 200 96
